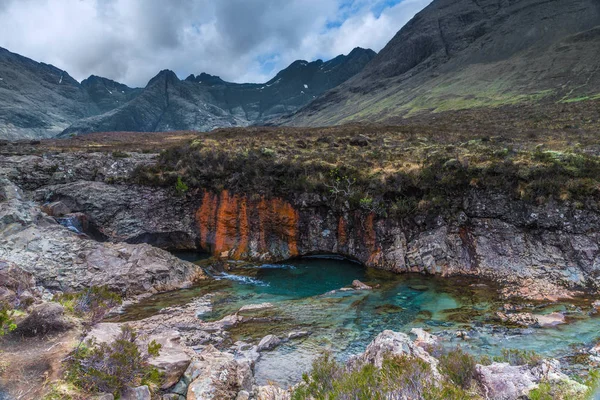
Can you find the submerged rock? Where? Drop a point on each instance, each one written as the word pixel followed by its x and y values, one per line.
pixel 551 320
pixel 256 307
pixel 358 285
pixel 269 342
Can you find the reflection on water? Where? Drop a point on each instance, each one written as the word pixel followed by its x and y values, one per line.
pixel 344 322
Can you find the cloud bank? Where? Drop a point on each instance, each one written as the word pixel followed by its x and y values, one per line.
pixel 239 40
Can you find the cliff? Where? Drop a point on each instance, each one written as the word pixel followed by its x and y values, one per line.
pixel 537 251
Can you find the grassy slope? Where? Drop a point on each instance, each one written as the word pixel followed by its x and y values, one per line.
pixel 567 71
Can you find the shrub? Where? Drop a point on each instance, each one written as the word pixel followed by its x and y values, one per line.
pixel 399 377
pixel 7 323
pixel 92 302
pixel 459 366
pixel 119 154
pixel 519 357
pixel 180 187
pixel 110 368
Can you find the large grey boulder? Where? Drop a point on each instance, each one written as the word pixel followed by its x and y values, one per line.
pixel 390 343
pixel 502 381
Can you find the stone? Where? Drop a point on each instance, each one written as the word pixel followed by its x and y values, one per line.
pixel 596 305
pixel 217 375
pixel 56 209
pixel 502 381
pixel 7 295
pixel 268 342
pixel 358 285
pixel 138 393
pixel 59 259
pixel 44 318
pixel 104 396
pixel 172 396
pixel 595 350
pixel 271 392
pixel 172 360
pixel 256 307
pixel 522 319
pixel 104 332
pixel 393 343
pixel 550 320
pixel 297 334
pixel 243 395
pixel 423 338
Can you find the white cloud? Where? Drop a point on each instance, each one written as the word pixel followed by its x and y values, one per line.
pixel 240 40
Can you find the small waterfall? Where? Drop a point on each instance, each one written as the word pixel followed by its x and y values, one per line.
pixel 246 280
pixel 71 223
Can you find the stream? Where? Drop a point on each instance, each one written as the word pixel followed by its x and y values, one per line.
pixel 344 322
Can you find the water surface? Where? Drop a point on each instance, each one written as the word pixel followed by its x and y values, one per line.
pixel 344 322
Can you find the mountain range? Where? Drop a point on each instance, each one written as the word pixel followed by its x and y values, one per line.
pixel 38 100
pixel 458 54
pixel 453 55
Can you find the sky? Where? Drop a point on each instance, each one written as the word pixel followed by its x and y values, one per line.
pixel 130 41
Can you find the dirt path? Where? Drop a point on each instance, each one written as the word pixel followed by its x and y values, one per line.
pixel 31 362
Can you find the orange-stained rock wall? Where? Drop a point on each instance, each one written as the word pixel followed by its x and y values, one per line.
pixel 237 227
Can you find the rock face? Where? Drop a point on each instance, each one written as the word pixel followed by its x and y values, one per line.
pixel 459 54
pixel 542 252
pixel 61 259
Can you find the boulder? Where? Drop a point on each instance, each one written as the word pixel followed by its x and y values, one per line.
pixel 551 320
pixel 138 393
pixel 56 209
pixel 521 319
pixel 172 396
pixel 44 318
pixel 104 396
pixel 423 338
pixel 297 334
pixel 256 307
pixel 393 343
pixel 104 332
pixel 172 360
pixel 217 375
pixel 271 392
pixel 358 285
pixel 268 342
pixel 502 381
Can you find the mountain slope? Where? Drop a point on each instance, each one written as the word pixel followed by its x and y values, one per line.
pixel 38 100
pixel 458 54
pixel 205 102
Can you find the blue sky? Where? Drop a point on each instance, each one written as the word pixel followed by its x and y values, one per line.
pixel 239 40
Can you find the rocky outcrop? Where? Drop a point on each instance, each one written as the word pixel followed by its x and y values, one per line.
pixel 541 252
pixel 502 381
pixel 60 259
pixel 390 343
